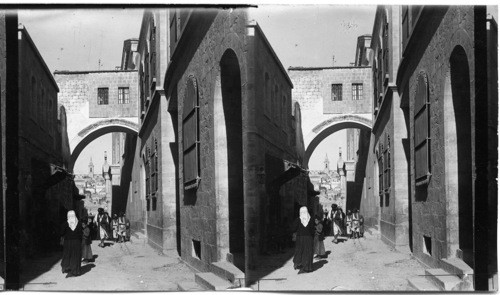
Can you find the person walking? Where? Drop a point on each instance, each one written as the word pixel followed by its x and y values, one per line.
pixel 337 222
pixel 102 220
pixel 86 242
pixel 114 224
pixel 348 224
pixel 122 228
pixel 319 245
pixel 355 224
pixel 304 228
pixel 71 240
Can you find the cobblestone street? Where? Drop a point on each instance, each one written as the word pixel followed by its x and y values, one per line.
pixel 353 265
pixel 133 266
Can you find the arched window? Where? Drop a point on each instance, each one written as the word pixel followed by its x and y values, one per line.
pixel 421 132
pixel 190 135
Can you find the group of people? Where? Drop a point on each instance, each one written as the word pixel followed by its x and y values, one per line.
pixel 77 236
pixel 116 228
pixel 350 225
pixel 309 233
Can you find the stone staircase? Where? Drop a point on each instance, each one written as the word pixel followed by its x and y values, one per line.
pixel 223 275
pixel 454 275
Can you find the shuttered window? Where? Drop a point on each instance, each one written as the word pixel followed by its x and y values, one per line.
pixel 422 131
pixel 381 174
pixel 147 170
pixel 190 131
pixel 152 45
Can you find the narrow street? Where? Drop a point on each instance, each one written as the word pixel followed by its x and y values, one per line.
pixel 133 266
pixel 365 264
pixel 352 265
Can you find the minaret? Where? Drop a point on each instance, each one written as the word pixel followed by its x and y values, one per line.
pixel 91 168
pixel 343 183
pixel 107 176
pixel 327 164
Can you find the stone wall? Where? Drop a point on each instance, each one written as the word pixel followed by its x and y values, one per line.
pixel 78 94
pixel 3 73
pixel 431 217
pixel 40 213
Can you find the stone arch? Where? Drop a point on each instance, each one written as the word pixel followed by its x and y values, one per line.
pixel 330 126
pixel 93 131
pixel 228 152
pixel 459 156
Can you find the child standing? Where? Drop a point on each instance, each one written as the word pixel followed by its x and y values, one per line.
pixel 319 245
pixel 86 241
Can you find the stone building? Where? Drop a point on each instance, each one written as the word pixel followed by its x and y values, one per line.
pixel 217 160
pixel 388 168
pixel 449 99
pixel 97 103
pixel 39 190
pixel 239 149
pixel 333 99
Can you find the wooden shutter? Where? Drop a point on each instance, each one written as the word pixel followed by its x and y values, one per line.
pixel 190 136
pixel 421 131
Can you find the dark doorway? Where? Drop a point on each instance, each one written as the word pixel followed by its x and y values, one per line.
pixel 460 87
pixel 231 101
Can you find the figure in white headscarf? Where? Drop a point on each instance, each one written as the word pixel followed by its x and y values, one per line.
pixel 71 239
pixel 305 229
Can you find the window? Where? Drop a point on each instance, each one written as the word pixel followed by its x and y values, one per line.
pixel 123 95
pixel 154 175
pixel 421 131
pixel 190 136
pixel 152 44
pixel 147 168
pixel 173 30
pixel 387 170
pixel 384 170
pixel 336 92
pixel 357 91
pixel 102 96
pixel 380 175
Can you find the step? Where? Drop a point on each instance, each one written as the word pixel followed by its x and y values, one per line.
pixel 211 281
pixel 189 286
pixel 421 283
pixel 457 266
pixel 229 271
pixel 443 279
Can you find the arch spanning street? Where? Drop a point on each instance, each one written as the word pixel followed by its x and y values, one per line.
pixel 95 130
pixel 330 126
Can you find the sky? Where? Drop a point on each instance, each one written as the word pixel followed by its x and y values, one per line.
pixel 301 35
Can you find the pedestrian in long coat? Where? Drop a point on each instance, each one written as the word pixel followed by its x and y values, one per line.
pixel 86 242
pixel 103 221
pixel 319 245
pixel 304 227
pixel 71 239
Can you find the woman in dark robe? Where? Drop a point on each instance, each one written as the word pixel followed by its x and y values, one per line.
pixel 304 245
pixel 71 238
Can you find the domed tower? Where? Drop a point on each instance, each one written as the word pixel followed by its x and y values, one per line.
pixel 91 168
pixel 327 164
